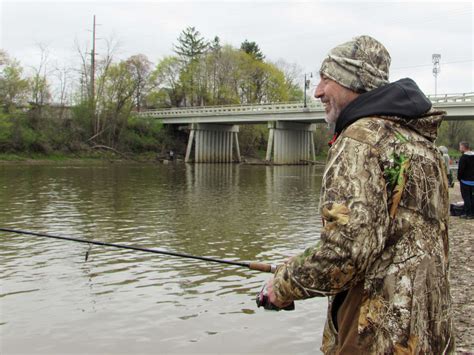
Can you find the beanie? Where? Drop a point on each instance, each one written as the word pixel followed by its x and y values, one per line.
pixel 360 65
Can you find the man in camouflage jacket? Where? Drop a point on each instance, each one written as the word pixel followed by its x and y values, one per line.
pixel 383 254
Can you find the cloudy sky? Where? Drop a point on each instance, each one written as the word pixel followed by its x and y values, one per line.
pixel 298 32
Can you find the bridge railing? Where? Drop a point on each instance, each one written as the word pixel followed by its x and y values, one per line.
pixel 235 109
pixel 465 97
pixel 312 105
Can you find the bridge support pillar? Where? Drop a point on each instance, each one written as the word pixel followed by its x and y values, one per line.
pixel 290 142
pixel 213 143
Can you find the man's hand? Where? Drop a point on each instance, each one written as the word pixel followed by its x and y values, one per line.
pixel 272 297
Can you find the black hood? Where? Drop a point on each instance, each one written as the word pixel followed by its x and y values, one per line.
pixel 402 99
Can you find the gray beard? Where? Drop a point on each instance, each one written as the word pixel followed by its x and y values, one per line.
pixel 331 127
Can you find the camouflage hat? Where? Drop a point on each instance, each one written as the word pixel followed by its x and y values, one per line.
pixel 360 65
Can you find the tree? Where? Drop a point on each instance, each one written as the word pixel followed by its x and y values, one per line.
pixel 139 66
pixel 166 77
pixel 39 85
pixel 190 48
pixel 3 57
pixel 453 132
pixel 116 101
pixel 252 49
pixel 215 45
pixel 93 97
pixel 226 77
pixel 292 73
pixel 212 67
pixel 13 87
pixel 260 82
pixel 273 85
pixel 63 88
pixel 191 45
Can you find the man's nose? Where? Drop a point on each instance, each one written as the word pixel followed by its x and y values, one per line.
pixel 318 92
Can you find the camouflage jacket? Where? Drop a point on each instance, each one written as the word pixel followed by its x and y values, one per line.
pixel 384 204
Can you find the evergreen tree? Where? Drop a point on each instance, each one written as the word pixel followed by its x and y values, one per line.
pixel 190 48
pixel 252 49
pixel 191 45
pixel 215 46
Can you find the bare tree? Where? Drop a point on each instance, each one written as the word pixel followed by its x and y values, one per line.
pixel 101 70
pixel 293 78
pixel 63 87
pixel 139 67
pixel 84 72
pixel 40 90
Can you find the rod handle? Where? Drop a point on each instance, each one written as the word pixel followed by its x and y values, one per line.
pixel 262 267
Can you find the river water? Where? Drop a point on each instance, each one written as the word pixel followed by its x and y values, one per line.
pixel 54 302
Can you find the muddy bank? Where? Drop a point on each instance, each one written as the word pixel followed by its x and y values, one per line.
pixel 461 233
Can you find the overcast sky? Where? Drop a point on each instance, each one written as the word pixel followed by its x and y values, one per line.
pixel 299 32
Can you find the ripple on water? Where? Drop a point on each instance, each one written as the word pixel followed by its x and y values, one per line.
pixel 130 301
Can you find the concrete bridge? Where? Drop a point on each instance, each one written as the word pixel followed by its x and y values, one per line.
pixel 214 130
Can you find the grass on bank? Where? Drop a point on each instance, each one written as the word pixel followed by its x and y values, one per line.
pixel 91 157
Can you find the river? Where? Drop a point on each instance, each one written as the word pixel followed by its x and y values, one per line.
pixel 52 301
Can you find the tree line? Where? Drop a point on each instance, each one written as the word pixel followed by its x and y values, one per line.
pixel 93 104
pixel 73 109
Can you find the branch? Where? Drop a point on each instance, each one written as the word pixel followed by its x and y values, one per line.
pixel 99 146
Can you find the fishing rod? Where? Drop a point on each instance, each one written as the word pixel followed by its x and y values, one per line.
pixel 262 297
pixel 250 265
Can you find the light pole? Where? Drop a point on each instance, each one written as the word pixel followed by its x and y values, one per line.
pixel 306 85
pixel 436 69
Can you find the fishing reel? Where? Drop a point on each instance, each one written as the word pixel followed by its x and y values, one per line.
pixel 264 301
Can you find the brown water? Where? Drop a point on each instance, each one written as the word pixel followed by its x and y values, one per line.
pixel 53 302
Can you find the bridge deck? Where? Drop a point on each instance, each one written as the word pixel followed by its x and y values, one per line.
pixel 457 106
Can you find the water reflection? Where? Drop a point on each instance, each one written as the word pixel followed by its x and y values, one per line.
pixel 124 299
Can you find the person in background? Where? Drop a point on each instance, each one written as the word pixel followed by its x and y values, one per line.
pixel 382 258
pixel 466 179
pixel 447 160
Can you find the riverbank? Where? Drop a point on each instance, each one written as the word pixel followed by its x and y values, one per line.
pixel 99 157
pixel 461 256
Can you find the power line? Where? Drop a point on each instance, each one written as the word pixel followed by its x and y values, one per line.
pixel 429 65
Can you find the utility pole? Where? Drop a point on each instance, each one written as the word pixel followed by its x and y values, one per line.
pixel 92 98
pixel 306 86
pixel 436 69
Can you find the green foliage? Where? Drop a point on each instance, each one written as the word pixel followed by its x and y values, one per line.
pixel 13 87
pixel 70 135
pixel 115 104
pixel 166 77
pixel 253 139
pixel 18 135
pixel 322 136
pixel 219 75
pixel 295 93
pixel 82 118
pixel 452 132
pixel 39 89
pixel 142 134
pixel 215 45
pixel 5 132
pixel 202 73
pixel 252 49
pixel 139 68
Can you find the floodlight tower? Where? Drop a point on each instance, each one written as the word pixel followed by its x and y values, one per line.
pixel 436 69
